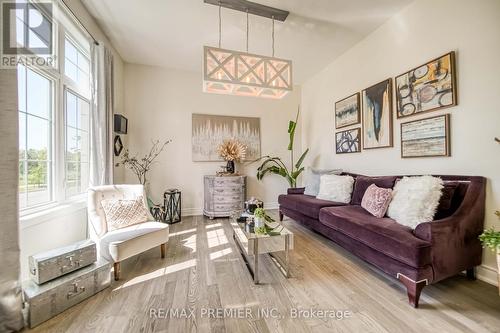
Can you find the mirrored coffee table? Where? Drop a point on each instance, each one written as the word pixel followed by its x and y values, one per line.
pixel 252 245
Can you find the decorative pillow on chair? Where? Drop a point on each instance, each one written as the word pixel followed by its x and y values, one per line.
pixel 312 179
pixel 122 213
pixel 415 200
pixel 376 200
pixel 335 188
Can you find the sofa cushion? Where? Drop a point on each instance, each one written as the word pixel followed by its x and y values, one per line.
pixel 382 234
pixel 335 188
pixel 305 204
pixel 415 200
pixel 312 179
pixel 363 182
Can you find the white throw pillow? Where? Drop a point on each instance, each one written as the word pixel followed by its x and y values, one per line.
pixel 312 179
pixel 122 213
pixel 335 188
pixel 415 200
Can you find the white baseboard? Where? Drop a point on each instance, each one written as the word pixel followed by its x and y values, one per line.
pixel 487 274
pixel 192 211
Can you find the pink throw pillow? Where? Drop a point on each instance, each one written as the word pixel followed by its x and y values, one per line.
pixel 376 200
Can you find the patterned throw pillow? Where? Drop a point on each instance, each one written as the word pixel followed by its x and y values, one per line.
pixel 122 213
pixel 376 200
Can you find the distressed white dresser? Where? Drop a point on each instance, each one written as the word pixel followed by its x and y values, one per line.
pixel 223 195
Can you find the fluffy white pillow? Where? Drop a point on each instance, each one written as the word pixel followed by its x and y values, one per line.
pixel 415 200
pixel 335 188
pixel 312 178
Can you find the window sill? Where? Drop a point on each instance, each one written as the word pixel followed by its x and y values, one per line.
pixel 59 210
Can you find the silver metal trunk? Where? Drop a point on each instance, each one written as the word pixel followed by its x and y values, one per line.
pixel 51 264
pixel 49 299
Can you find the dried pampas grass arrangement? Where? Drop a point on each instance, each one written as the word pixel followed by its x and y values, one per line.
pixel 232 150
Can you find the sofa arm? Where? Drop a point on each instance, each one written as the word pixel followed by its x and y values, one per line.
pixel 296 190
pixel 454 239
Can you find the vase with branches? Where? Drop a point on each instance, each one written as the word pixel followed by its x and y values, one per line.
pixel 140 166
pixel 274 164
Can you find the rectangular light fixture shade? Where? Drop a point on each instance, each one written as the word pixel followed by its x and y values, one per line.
pixel 244 74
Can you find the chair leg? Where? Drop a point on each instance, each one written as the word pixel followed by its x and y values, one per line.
pixel 281 215
pixel 413 289
pixel 116 267
pixel 163 248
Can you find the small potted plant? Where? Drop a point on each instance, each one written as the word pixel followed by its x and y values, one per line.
pixel 491 239
pixel 259 217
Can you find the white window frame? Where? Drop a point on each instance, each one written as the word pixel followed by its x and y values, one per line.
pixel 61 83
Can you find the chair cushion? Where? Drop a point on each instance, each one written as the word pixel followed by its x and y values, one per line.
pixel 305 204
pixel 123 243
pixel 363 182
pixel 381 234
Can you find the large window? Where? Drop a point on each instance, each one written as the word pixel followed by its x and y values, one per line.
pixel 77 144
pixel 54 119
pixel 35 138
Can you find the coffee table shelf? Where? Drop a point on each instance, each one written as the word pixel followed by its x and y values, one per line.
pixel 252 245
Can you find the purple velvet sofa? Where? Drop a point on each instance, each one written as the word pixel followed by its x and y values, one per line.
pixel 430 253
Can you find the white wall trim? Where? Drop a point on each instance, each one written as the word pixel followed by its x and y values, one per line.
pixel 487 274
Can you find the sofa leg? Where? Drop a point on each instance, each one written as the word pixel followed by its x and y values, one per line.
pixel 413 289
pixel 471 273
pixel 162 249
pixel 116 269
pixel 281 215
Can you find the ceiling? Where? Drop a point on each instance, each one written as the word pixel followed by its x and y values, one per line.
pixel 171 33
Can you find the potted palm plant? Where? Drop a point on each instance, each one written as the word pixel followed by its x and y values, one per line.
pixel 491 239
pixel 274 164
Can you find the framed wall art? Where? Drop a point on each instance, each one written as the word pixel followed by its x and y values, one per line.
pixel 348 141
pixel 377 115
pixel 347 111
pixel 428 87
pixel 209 131
pixel 426 137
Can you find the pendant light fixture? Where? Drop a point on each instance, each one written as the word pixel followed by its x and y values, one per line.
pixel 242 73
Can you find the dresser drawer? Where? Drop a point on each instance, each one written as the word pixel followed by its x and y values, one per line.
pixel 235 198
pixel 227 207
pixel 228 181
pixel 233 190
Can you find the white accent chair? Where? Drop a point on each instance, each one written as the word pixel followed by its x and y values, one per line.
pixel 123 243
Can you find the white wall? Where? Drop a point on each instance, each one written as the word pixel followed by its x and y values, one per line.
pixel 159 104
pixel 423 31
pixel 66 225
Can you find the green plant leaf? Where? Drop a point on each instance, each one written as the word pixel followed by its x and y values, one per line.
pixel 291 130
pixel 296 173
pixel 301 159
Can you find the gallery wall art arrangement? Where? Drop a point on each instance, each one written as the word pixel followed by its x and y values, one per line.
pixel 377 115
pixel 348 141
pixel 347 111
pixel 209 131
pixel 428 87
pixel 426 137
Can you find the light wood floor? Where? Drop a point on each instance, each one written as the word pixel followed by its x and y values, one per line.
pixel 204 270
